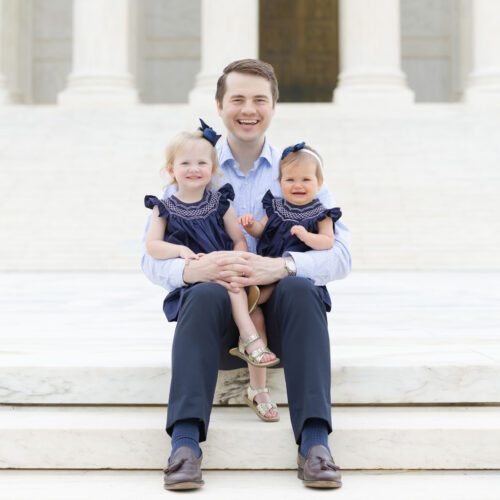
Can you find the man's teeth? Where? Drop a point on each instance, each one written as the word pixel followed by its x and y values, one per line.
pixel 248 122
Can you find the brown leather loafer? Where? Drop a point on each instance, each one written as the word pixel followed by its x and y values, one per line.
pixel 183 471
pixel 318 470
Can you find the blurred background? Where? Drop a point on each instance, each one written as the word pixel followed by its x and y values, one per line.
pixel 401 98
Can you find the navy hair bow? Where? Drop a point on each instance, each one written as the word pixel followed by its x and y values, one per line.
pixel 209 133
pixel 292 149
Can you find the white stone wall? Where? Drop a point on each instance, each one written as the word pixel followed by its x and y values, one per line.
pixel 418 187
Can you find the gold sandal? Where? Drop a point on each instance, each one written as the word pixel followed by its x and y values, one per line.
pixel 261 409
pixel 255 356
pixel 253 298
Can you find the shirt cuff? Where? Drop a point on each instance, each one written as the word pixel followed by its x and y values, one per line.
pixel 301 262
pixel 175 273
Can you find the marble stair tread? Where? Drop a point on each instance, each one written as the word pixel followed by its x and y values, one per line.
pixel 373 373
pixel 35 437
pixel 131 485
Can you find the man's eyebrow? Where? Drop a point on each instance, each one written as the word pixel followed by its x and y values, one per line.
pixel 241 96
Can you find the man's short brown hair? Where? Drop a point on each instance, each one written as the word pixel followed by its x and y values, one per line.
pixel 249 67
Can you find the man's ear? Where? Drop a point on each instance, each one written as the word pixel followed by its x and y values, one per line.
pixel 219 106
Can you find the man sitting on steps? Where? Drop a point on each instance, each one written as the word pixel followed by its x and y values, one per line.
pixel 246 97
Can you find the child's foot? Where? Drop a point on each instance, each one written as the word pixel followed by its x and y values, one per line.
pixel 268 356
pixel 261 404
pixel 263 397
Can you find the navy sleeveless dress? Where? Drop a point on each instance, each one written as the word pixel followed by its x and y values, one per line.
pixel 282 215
pixel 198 226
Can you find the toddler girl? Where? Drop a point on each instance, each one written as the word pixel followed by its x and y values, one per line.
pixel 297 222
pixel 196 221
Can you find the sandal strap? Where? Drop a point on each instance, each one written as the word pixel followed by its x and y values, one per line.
pixel 257 354
pixel 245 343
pixel 253 392
pixel 263 408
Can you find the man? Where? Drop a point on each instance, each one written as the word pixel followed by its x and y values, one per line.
pixel 246 98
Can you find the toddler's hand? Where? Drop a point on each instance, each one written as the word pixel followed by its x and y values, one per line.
pixel 188 254
pixel 299 231
pixel 246 220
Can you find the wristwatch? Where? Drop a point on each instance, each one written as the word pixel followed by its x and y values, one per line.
pixel 290 266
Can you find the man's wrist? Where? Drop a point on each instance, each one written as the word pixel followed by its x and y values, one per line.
pixel 289 265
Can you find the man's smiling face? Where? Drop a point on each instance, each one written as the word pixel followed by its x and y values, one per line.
pixel 247 107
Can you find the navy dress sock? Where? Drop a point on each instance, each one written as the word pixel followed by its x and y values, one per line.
pixel 186 433
pixel 315 431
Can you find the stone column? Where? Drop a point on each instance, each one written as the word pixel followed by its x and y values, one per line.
pixel 103 38
pixel 229 31
pixel 12 50
pixel 484 81
pixel 370 55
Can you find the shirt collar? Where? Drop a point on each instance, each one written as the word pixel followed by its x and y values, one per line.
pixel 226 155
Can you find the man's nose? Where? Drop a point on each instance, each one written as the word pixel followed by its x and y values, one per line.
pixel 248 107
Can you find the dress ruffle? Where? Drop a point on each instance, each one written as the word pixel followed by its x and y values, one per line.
pixel 151 201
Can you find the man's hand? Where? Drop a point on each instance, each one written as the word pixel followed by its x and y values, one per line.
pixel 208 268
pixel 242 269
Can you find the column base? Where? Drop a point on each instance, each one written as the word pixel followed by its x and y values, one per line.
pixel 203 93
pixel 374 86
pixel 484 89
pixel 99 90
pixel 372 95
pixel 101 97
pixel 202 97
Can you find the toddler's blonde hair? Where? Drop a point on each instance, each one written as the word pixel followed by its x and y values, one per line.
pixel 178 142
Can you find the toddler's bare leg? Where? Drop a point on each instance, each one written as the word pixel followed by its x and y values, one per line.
pixel 265 292
pixel 258 375
pixel 245 325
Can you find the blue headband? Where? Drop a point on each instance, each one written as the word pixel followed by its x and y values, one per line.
pixel 301 147
pixel 209 133
pixel 292 149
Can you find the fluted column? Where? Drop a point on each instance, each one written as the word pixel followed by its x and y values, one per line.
pixel 229 31
pixel 484 81
pixel 103 37
pixel 370 54
pixel 12 50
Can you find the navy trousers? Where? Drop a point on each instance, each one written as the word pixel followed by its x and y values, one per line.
pixel 297 333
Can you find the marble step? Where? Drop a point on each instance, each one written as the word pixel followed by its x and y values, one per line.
pixel 35 437
pixel 131 485
pixel 371 373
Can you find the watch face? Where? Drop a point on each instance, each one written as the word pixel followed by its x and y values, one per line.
pixel 290 267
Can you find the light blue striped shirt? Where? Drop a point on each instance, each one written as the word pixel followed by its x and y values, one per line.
pixel 321 266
